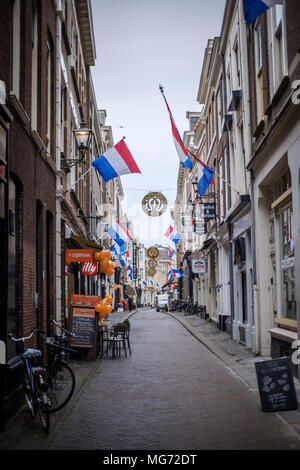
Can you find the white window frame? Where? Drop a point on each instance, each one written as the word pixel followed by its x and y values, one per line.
pixel 277 58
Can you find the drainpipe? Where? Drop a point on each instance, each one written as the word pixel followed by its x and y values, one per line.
pixel 59 193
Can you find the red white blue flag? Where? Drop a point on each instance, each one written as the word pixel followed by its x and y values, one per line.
pixel 115 162
pixel 172 234
pixel 182 152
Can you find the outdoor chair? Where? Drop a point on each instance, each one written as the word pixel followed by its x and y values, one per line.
pixel 116 339
pixel 127 333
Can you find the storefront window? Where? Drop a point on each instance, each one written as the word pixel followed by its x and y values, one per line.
pixel 287 264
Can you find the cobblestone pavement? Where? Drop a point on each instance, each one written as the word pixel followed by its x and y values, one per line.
pixel 171 393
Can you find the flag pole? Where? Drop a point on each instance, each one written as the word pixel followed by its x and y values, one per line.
pixel 82 176
pixel 226 182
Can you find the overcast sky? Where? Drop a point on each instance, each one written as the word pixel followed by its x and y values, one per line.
pixel 140 44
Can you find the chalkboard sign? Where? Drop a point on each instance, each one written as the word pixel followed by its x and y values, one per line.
pixel 85 326
pixel 276 385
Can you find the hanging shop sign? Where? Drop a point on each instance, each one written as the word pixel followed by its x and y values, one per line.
pixel 152 252
pixel 208 211
pixel 154 204
pixel 199 266
pixel 151 272
pixel 134 262
pixel 152 263
pixel 288 262
pixel 187 222
pixel 81 299
pixel 200 227
pixel 77 256
pixel 89 268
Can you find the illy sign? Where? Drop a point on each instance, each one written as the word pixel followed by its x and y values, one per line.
pixel 89 268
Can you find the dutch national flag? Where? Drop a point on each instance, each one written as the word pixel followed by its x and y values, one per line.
pixel 120 234
pixel 129 270
pixel 205 178
pixel 115 162
pixel 173 235
pixel 175 273
pixel 254 8
pixel 182 152
pixel 171 252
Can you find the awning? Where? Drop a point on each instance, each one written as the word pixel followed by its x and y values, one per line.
pixel 130 290
pixel 84 243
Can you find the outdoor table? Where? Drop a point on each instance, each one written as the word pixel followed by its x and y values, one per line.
pixel 102 329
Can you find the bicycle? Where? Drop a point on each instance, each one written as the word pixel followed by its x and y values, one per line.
pixel 35 387
pixel 60 376
pixel 188 308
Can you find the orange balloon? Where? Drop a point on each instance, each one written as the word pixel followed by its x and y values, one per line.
pixel 104 265
pixel 109 309
pixel 97 255
pixel 109 272
pixel 98 307
pixel 106 254
pixel 109 299
pixel 102 315
pixel 111 265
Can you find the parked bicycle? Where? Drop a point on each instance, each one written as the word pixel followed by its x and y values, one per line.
pixel 188 308
pixel 60 376
pixel 35 386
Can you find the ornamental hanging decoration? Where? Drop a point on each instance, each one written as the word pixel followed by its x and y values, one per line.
pixel 152 252
pixel 152 263
pixel 151 272
pixel 154 204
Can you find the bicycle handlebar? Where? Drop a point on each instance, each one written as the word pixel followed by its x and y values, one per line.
pixel 61 328
pixel 24 338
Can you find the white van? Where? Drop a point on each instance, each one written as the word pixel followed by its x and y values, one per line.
pixel 161 301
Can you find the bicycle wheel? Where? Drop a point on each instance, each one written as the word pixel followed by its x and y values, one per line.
pixel 61 385
pixel 29 396
pixel 42 406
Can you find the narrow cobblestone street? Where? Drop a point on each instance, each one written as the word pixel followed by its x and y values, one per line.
pixel 172 393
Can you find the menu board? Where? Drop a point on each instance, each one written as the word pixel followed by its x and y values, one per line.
pixel 84 321
pixel 276 385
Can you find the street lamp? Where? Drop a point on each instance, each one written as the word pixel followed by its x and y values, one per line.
pixel 83 137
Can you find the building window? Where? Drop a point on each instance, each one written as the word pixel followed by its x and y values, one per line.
pixel 258 74
pixel 287 264
pixel 49 95
pixel 237 65
pixel 34 67
pixel 14 260
pixel 277 54
pixel 16 11
pixel 219 114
